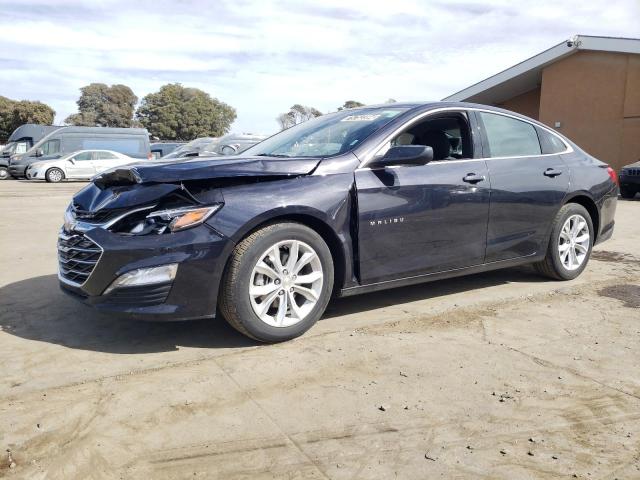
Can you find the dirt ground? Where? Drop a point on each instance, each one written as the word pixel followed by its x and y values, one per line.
pixel 502 375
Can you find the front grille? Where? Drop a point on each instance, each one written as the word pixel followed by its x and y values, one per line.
pixel 77 257
pixel 632 172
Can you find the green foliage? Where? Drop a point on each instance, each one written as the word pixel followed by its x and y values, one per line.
pixel 297 114
pixel 179 113
pixel 351 104
pixel 15 113
pixel 101 105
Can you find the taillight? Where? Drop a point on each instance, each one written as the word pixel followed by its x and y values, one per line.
pixel 614 176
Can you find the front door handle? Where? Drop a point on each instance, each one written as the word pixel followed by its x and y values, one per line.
pixel 473 178
pixel 552 172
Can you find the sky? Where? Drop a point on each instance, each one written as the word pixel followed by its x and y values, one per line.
pixel 261 57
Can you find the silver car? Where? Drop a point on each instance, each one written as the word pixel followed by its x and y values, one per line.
pixel 80 165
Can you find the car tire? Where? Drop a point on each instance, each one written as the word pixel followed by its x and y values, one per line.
pixel 563 260
pixel 54 175
pixel 4 173
pixel 252 270
pixel 627 193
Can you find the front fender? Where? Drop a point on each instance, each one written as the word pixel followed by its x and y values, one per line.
pixel 322 202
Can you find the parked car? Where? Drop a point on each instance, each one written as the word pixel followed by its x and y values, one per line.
pixel 80 165
pixel 231 144
pixel 190 149
pixel 160 149
pixel 357 201
pixel 234 143
pixel 630 180
pixel 21 140
pixel 133 142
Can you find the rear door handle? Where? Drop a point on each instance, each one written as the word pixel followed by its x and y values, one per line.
pixel 552 172
pixel 473 178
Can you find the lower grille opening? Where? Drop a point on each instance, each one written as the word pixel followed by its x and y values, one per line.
pixel 139 296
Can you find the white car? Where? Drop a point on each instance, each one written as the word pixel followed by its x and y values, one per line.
pixel 83 164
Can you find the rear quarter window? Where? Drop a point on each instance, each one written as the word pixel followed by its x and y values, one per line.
pixel 550 143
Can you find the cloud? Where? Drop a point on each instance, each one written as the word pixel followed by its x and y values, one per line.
pixel 263 56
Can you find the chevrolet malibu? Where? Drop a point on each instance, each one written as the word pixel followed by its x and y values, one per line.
pixel 356 201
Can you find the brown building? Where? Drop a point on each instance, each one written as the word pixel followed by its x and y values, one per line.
pixel 587 88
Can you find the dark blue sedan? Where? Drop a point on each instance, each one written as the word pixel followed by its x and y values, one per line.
pixel 356 201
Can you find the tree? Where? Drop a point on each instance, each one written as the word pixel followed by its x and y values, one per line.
pixel 15 113
pixel 297 114
pixel 101 105
pixel 180 113
pixel 350 104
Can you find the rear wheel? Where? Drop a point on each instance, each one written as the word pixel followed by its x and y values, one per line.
pixel 627 192
pixel 54 175
pixel 277 283
pixel 570 244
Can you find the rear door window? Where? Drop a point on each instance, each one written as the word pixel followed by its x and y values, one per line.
pixel 509 137
pixel 83 156
pixel 105 156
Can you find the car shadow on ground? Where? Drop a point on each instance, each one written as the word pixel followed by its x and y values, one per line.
pixel 430 290
pixel 35 309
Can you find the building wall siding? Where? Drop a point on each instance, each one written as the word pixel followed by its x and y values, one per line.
pixel 594 95
pixel 527 104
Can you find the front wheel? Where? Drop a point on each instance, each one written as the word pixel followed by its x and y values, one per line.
pixel 4 173
pixel 277 283
pixel 54 175
pixel 570 244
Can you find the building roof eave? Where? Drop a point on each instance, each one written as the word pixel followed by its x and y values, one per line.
pixel 527 75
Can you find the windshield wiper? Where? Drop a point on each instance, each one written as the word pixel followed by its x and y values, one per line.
pixel 276 155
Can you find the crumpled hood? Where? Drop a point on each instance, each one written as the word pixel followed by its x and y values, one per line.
pixel 204 169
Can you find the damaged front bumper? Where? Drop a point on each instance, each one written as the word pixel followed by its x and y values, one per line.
pixel 89 262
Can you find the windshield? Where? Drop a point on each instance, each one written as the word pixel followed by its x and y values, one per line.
pixel 326 135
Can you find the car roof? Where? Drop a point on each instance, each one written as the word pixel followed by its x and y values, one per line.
pixel 92 150
pixel 433 104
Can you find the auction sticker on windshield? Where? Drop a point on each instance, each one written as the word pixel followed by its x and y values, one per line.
pixel 360 118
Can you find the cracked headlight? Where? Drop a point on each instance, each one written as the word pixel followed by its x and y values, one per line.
pixel 182 218
pixel 169 220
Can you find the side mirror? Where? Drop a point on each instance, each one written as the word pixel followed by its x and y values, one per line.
pixel 39 152
pixel 229 150
pixel 406 155
pixel 70 160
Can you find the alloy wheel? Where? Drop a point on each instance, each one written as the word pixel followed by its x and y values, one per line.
pixel 574 242
pixel 55 175
pixel 286 283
